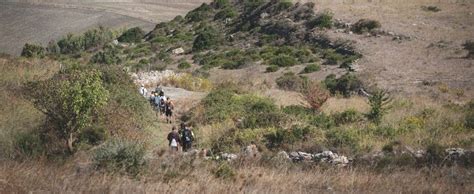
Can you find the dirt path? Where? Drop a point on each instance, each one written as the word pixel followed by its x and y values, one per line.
pixel 184 100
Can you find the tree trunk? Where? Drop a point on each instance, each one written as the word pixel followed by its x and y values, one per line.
pixel 70 141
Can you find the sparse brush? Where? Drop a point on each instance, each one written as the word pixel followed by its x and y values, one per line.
pixel 315 95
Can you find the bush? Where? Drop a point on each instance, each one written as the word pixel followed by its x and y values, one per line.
pixel 323 121
pixel 199 14
pixel 365 25
pixel 31 50
pixel 284 5
pixel 315 95
pixel 345 85
pixel 28 144
pixel 92 38
pixel 469 119
pixel 184 65
pixel 93 135
pixel 132 35
pixel 430 8
pixel 435 154
pixel 219 4
pixel 110 55
pixel 228 12
pixel 206 39
pixel 311 68
pixel 120 155
pixel 290 81
pixel 343 138
pixel 469 46
pixel 378 101
pixel 324 20
pixel 224 171
pixel 348 116
pixel 272 68
pixel 283 61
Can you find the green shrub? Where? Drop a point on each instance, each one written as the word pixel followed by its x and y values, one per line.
pixel 110 55
pixel 206 39
pixel 469 120
pixel 224 171
pixel 132 35
pixel 435 154
pixel 31 50
pixel 28 144
pixel 344 85
pixel 469 46
pixel 343 138
pixel 299 111
pixel 120 156
pixel 199 14
pixel 272 68
pixel 219 4
pixel 92 38
pixel 184 65
pixel 430 8
pixel 93 135
pixel 332 57
pixel 365 25
pixel 348 116
pixel 311 68
pixel 228 12
pixel 323 121
pixel 290 81
pixel 281 137
pixel 284 5
pixel 379 104
pixel 324 20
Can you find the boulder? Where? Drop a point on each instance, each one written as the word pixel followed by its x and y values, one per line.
pixel 178 51
pixel 228 157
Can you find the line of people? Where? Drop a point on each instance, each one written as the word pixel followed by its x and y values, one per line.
pixel 163 105
pixel 184 137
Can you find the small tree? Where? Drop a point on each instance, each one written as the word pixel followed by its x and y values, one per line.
pixel 70 100
pixel 379 104
pixel 132 35
pixel 315 95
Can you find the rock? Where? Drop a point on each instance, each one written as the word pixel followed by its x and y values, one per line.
pixel 295 157
pixel 115 42
pixel 264 15
pixel 283 155
pixel 419 154
pixel 455 153
pixel 331 158
pixel 306 156
pixel 251 151
pixel 391 33
pixel 178 51
pixel 228 157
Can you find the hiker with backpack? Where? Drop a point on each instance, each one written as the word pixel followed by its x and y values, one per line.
pixel 169 106
pixel 174 140
pixel 187 137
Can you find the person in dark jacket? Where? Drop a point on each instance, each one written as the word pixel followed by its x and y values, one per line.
pixel 187 137
pixel 173 139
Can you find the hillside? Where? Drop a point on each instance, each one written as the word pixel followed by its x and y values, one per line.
pixel 280 96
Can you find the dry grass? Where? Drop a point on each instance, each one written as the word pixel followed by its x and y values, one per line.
pixel 183 175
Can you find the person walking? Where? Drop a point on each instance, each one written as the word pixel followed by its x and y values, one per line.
pixel 187 137
pixel 143 91
pixel 169 106
pixel 173 139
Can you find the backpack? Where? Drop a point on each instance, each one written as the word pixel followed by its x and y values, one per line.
pixel 187 135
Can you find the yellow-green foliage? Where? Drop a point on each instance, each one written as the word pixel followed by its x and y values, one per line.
pixel 189 82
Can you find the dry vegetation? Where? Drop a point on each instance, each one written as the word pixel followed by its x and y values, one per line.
pixel 123 147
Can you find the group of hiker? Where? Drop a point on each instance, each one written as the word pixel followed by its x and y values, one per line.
pixel 164 106
pixel 184 138
pixel 161 104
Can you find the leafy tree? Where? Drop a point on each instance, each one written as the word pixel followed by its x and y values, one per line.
pixel 132 35
pixel 110 55
pixel 322 21
pixel 379 102
pixel 32 50
pixel 70 100
pixel 344 85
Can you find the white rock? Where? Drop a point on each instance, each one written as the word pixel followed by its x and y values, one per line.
pixel 178 51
